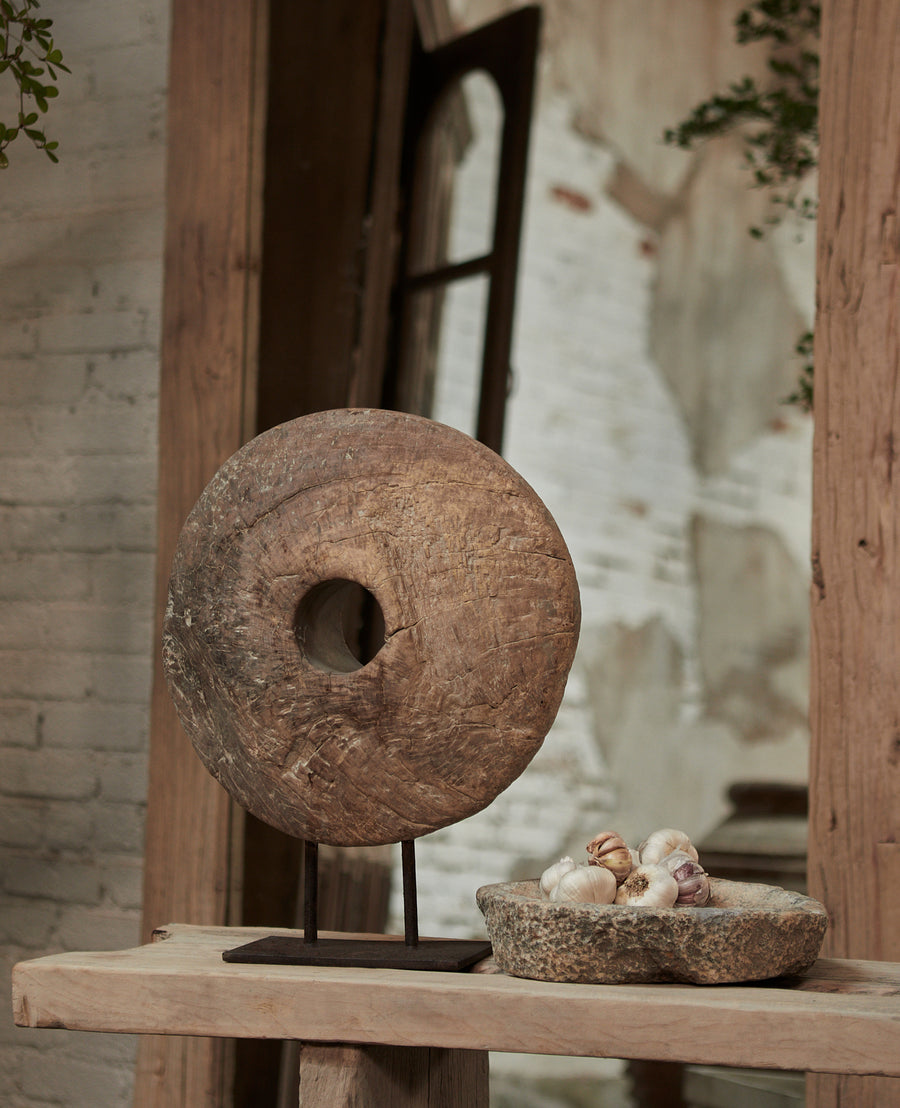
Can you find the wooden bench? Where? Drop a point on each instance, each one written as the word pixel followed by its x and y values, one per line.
pixel 840 1017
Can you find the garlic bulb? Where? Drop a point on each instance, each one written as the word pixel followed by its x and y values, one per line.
pixel 692 879
pixel 648 886
pixel 552 874
pixel 656 846
pixel 585 884
pixel 609 849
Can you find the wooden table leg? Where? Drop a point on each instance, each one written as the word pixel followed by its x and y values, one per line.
pixel 341 1075
pixel 656 1084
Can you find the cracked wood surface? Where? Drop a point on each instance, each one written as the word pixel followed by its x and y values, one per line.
pixel 481 617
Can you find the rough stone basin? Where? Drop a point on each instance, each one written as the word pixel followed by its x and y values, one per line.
pixel 747 932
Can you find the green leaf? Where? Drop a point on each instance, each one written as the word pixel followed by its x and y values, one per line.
pixel 4 161
pixel 21 51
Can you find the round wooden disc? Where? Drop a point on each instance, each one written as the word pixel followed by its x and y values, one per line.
pixel 480 608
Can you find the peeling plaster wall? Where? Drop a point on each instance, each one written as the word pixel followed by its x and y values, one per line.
pixel 654 344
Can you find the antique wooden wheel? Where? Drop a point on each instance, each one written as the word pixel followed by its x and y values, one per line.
pixel 478 599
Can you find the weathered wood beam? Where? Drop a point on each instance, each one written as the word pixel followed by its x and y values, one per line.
pixel 854 852
pixel 341 1075
pixel 840 1016
pixel 207 383
pixel 326 98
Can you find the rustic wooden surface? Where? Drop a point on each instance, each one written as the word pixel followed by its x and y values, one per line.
pixel 370 353
pixel 338 1075
pixel 207 376
pixel 855 782
pixel 333 150
pixel 840 1017
pixel 481 615
pixel 854 845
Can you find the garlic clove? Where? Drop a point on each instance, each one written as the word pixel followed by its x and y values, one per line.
pixel 609 849
pixel 618 862
pixel 692 879
pixel 648 886
pixel 656 846
pixel 552 874
pixel 606 840
pixel 585 884
pixel 676 858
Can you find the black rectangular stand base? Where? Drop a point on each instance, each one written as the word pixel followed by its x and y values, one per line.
pixel 428 954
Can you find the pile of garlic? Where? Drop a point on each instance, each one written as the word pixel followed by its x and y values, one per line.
pixel 663 872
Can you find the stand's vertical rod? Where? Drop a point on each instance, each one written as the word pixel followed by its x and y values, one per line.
pixel 310 892
pixel 410 905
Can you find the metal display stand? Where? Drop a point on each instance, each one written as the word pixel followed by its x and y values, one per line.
pixel 311 949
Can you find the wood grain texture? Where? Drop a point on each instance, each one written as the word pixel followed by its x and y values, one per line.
pixel 855 694
pixel 326 73
pixel 208 334
pixel 481 614
pixel 841 1017
pixel 337 1075
pixel 202 406
pixel 382 240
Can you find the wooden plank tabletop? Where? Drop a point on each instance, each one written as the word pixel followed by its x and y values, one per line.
pixel 841 1017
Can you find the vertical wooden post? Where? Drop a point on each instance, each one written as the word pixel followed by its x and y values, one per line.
pixel 207 379
pixel 854 847
pixel 338 1075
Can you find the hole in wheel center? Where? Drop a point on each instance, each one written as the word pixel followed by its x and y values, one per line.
pixel 339 626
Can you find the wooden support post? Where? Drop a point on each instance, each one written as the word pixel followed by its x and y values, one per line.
pixel 854 852
pixel 338 1075
pixel 207 383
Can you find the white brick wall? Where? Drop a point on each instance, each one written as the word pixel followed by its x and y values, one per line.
pixel 80 263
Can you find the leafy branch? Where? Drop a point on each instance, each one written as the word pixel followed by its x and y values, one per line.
pixel 779 124
pixel 802 395
pixel 28 53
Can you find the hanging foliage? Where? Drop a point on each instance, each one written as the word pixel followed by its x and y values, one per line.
pixel 29 55
pixel 778 124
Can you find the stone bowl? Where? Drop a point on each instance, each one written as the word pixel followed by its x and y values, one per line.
pixel 747 932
